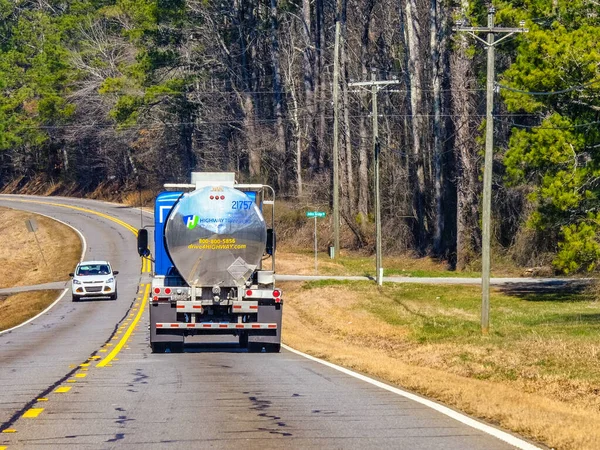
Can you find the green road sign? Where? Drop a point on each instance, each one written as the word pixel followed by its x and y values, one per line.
pixel 315 214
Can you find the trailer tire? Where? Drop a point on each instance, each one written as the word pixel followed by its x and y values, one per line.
pixel 176 347
pixel 255 347
pixel 272 348
pixel 158 347
pixel 243 339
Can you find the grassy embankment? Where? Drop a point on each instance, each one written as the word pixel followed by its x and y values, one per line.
pixel 21 263
pixel 536 373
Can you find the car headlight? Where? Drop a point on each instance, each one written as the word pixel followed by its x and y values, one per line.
pixel 76 281
pixel 110 280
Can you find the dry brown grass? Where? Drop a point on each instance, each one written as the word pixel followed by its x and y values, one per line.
pixel 20 261
pixel 562 411
pixel 16 309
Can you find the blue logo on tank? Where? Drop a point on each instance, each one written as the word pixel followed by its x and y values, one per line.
pixel 190 221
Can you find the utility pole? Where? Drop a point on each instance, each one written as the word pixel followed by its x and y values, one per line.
pixel 375 86
pixel 379 268
pixel 489 152
pixel 336 152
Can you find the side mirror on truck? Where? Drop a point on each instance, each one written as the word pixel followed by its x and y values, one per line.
pixel 270 247
pixel 142 242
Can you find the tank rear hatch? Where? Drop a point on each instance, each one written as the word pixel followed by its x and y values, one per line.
pixel 216 236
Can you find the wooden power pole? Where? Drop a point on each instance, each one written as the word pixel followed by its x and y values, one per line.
pixel 375 86
pixel 491 30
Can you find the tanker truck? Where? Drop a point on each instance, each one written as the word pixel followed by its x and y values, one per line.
pixel 214 264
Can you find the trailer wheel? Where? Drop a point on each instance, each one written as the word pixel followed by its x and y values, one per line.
pixel 176 347
pixel 255 347
pixel 243 339
pixel 272 348
pixel 158 347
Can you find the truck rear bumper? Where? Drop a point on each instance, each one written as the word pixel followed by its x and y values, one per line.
pixel 217 326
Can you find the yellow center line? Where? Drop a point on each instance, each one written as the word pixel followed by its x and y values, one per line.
pixel 125 337
pixel 62 390
pixel 77 208
pixel 80 375
pixel 33 412
pixel 9 430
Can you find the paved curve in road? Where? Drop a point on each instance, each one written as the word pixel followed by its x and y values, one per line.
pixel 53 394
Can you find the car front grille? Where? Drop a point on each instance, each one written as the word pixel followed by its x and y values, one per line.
pixel 93 288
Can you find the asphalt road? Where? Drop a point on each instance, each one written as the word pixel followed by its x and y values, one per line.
pixel 53 394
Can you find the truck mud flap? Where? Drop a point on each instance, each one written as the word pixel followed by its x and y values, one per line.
pixel 163 312
pixel 268 314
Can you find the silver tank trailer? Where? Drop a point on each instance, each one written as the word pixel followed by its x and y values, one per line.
pixel 216 236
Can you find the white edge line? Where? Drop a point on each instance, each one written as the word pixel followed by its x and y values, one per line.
pixel 83 250
pixel 502 435
pixel 33 318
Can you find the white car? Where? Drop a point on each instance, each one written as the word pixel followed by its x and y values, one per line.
pixel 94 279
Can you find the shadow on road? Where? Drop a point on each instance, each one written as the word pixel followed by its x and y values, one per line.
pixel 554 290
pixel 214 347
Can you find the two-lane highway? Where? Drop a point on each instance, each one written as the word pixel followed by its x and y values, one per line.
pixel 82 376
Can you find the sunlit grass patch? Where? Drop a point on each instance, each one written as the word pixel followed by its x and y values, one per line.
pixel 542 352
pixel 21 262
pixel 17 308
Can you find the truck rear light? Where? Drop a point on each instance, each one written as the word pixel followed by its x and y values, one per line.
pixel 157 290
pixel 249 293
pixel 155 298
pixel 276 293
pixel 168 291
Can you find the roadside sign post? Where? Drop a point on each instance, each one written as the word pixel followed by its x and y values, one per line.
pixel 32 227
pixel 316 215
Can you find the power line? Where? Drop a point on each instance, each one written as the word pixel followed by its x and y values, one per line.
pixel 539 127
pixel 542 93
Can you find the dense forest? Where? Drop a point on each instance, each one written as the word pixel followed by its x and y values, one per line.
pixel 140 92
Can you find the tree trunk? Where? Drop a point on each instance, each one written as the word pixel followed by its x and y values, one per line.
pixel 308 68
pixel 349 199
pixel 247 97
pixel 363 151
pixel 321 89
pixel 280 144
pixel 462 82
pixel 415 71
pixel 435 36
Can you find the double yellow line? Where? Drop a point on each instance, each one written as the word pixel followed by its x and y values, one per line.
pixel 127 334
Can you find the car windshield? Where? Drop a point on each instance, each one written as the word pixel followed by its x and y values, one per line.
pixel 93 269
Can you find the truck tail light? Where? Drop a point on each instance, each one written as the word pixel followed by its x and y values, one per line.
pixel 157 290
pixel 168 291
pixel 276 293
pixel 249 293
